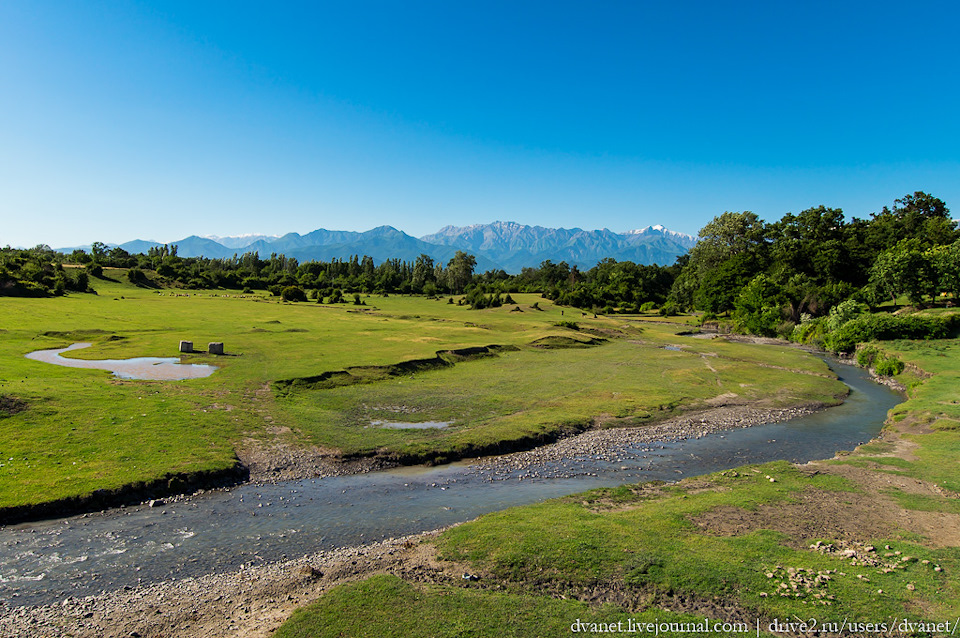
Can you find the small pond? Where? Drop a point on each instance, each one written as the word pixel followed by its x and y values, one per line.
pixel 148 368
pixel 423 425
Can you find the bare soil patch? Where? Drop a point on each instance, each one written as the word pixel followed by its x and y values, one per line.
pixel 278 460
pixel 814 514
pixel 11 405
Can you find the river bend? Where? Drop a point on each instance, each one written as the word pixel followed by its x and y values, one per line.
pixel 252 524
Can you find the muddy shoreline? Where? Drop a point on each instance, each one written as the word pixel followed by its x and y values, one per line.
pixel 254 600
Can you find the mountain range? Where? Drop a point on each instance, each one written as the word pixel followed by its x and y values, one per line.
pixel 500 245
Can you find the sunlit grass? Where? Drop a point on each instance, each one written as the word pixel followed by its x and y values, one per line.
pixel 84 430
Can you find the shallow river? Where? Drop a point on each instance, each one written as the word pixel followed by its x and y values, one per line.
pixel 47 561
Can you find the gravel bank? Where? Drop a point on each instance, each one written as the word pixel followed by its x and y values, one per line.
pixel 249 602
pixel 569 457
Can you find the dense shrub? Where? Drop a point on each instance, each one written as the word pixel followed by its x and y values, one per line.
pixel 880 327
pixel 810 331
pixel 669 309
pixel 866 356
pixel 479 301
pixel 844 312
pixel 293 293
pixel 137 277
pixel 888 366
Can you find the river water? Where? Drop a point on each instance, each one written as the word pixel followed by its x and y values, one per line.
pixel 252 524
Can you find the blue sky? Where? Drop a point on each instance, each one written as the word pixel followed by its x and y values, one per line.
pixel 157 120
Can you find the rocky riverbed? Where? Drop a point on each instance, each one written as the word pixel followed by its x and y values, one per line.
pixel 572 456
pixel 248 602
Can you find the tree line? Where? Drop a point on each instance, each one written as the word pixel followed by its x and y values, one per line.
pixel 611 285
pixel 771 278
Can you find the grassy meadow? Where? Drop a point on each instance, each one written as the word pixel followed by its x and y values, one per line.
pixel 868 537
pixel 68 432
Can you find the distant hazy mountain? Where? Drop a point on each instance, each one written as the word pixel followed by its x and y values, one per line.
pixel 136 246
pixel 382 243
pixel 515 246
pixel 505 245
pixel 239 241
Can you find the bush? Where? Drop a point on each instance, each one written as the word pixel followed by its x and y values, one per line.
pixel 785 328
pixel 78 280
pixel 844 312
pixel 866 356
pixel 137 277
pixel 647 306
pixel 888 366
pixel 668 309
pixel 882 327
pixel 293 293
pixel 253 282
pixel 810 331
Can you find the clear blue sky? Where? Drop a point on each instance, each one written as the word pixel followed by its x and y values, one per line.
pixel 157 120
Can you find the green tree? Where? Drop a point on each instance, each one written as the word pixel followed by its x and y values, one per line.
pixel 811 243
pixel 731 249
pixel 903 270
pixel 919 216
pixel 460 271
pixel 99 252
pixel 945 261
pixel 423 272
pixel 720 285
pixel 757 308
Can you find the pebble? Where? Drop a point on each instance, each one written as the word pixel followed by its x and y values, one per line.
pixel 570 457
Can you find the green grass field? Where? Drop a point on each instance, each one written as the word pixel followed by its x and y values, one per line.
pixel 68 432
pixel 403 610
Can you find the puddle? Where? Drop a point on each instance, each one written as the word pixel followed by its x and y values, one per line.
pixel 424 425
pixel 147 368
